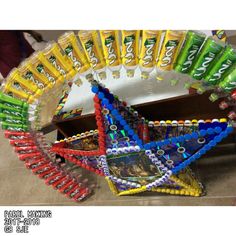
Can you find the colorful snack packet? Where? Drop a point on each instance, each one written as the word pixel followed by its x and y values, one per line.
pixel 45 69
pixel 17 94
pixel 91 44
pixel 130 50
pixel 111 50
pixel 192 45
pixel 12 102
pixel 18 82
pixel 13 119
pixel 149 51
pixel 29 73
pixel 11 111
pixel 14 127
pixel 170 48
pixel 205 59
pixel 229 82
pixel 74 52
pixel 222 67
pixel 59 61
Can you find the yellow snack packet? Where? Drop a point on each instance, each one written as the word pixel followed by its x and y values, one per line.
pixel 170 48
pixel 149 51
pixel 40 63
pixel 19 94
pixel 90 43
pixel 73 50
pixel 60 62
pixel 111 51
pixel 26 70
pixel 130 50
pixel 15 80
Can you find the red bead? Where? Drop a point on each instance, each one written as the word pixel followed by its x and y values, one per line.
pixel 233 94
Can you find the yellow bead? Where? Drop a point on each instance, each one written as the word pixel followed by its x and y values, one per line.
pixel 172 191
pixel 222 120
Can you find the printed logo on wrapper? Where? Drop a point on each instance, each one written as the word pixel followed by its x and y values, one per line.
pixel 225 65
pixel 29 75
pixel 109 42
pixel 89 48
pixel 231 85
pixel 69 53
pixel 53 61
pixel 17 86
pixel 149 53
pixel 129 43
pixel 192 52
pixel 41 70
pixel 170 47
pixel 12 113
pixel 207 60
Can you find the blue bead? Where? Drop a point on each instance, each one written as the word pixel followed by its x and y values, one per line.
pixel 158 144
pixel 166 141
pixel 208 147
pixel 230 129
pixel 139 142
pixel 202 151
pixel 100 95
pixel 123 122
pixel 197 155
pixel 192 158
pixel 110 107
pixel 135 137
pixel 218 129
pixel 147 146
pixel 212 143
pixel 173 140
pixel 174 170
pixel 105 101
pixel 114 112
pixel 130 132
pixel 218 138
pixel 161 143
pixel 153 144
pixel 203 132
pixel 180 138
pixel 181 166
pixel 187 136
pixel 119 117
pixel 224 134
pixel 95 89
pixel 127 127
pixel 188 162
pixel 210 131
pixel 194 135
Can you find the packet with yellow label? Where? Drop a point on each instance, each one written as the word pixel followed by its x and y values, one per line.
pixel 26 71
pixel 75 53
pixel 16 93
pixel 130 50
pixel 170 48
pixel 172 43
pixel 111 50
pixel 91 44
pixel 39 63
pixel 60 62
pixel 149 51
pixel 15 80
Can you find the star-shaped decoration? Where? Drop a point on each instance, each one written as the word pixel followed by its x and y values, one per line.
pixel 137 155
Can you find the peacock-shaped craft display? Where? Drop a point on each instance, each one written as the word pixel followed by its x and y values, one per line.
pixel 133 154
